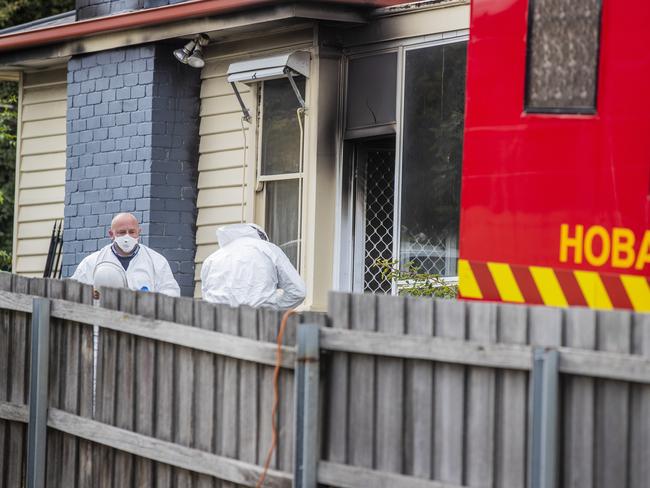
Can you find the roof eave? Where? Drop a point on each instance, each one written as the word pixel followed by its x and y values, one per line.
pixel 149 17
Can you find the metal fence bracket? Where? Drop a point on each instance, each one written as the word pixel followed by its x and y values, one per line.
pixel 307 386
pixel 544 418
pixel 38 385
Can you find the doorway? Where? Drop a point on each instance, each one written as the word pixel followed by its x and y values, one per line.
pixel 373 195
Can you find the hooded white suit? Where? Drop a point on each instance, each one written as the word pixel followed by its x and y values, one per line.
pixel 248 270
pixel 148 270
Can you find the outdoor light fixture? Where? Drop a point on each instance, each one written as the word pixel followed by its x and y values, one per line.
pixel 271 68
pixel 192 52
pixel 196 58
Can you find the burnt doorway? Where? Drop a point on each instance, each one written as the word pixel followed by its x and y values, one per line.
pixel 374 212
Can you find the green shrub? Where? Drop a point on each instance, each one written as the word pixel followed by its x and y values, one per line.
pixel 5 260
pixel 412 282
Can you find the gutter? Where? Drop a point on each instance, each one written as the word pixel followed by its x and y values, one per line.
pixel 149 17
pixel 417 5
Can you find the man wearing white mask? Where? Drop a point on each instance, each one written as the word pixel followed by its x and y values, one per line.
pixel 125 262
pixel 247 269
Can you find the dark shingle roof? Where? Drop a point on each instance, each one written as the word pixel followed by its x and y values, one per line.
pixel 58 19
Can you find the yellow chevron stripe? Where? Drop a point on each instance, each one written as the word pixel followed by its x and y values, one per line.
pixel 548 286
pixel 467 284
pixel 593 289
pixel 505 282
pixel 638 290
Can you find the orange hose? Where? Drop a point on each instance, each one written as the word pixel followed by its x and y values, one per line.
pixel 276 376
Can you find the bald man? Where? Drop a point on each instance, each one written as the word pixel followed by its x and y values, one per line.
pixel 143 268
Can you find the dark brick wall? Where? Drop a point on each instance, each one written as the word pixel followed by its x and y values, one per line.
pixel 87 9
pixel 132 130
pixel 174 163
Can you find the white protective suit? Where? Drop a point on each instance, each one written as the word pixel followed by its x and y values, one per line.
pixel 248 270
pixel 148 270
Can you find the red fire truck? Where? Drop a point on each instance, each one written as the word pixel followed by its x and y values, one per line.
pixel 556 170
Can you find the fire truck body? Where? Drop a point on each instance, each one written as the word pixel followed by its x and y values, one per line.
pixel 555 205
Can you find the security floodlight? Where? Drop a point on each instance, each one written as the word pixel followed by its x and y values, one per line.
pixel 192 52
pixel 184 53
pixel 196 59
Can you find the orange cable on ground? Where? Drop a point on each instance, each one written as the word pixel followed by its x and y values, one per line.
pixel 276 376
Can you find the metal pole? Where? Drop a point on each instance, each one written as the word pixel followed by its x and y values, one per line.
pixel 295 87
pixel 38 384
pixel 246 113
pixel 544 404
pixel 306 398
pixel 50 253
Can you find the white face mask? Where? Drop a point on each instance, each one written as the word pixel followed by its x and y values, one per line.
pixel 126 243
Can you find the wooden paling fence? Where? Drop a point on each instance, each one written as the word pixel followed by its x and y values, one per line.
pixel 460 411
pixel 183 391
pixel 410 392
pixel 70 372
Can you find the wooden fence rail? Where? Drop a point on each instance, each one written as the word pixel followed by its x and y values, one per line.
pixel 469 353
pixel 414 392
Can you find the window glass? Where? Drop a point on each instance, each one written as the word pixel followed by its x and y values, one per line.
pixel 562 69
pixel 434 104
pixel 280 151
pixel 282 226
pixel 371 90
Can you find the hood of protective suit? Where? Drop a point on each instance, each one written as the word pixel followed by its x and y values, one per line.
pixel 252 272
pixel 229 233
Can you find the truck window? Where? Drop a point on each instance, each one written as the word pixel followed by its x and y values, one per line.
pixel 562 58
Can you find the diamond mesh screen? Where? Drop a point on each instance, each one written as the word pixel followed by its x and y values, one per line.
pixel 380 191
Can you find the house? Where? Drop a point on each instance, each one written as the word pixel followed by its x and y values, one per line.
pixel 110 120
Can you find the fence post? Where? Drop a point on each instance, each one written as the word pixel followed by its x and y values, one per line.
pixel 544 404
pixel 38 384
pixel 307 386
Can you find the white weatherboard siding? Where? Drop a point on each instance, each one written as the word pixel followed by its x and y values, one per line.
pixel 221 186
pixel 40 167
pixel 226 156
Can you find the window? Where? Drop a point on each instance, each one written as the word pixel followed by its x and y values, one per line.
pixel 403 188
pixel 432 151
pixel 562 71
pixel 369 102
pixel 280 164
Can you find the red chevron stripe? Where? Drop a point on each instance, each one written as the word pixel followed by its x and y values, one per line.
pixel 570 287
pixel 485 281
pixel 527 285
pixel 616 291
pixel 612 283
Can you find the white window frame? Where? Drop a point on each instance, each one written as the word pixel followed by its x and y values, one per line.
pixel 261 180
pixel 344 253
